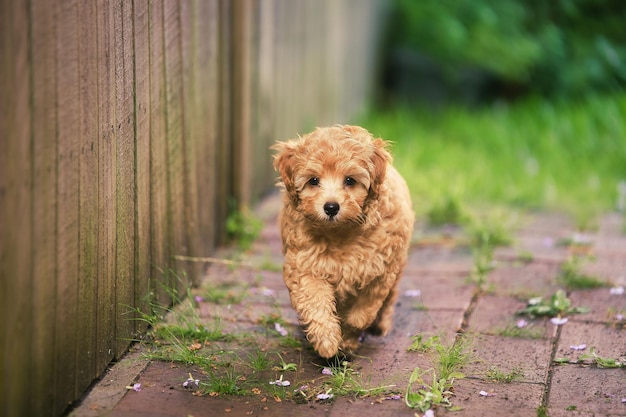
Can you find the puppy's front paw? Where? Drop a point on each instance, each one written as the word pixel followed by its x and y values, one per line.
pixel 325 343
pixel 350 345
pixel 326 349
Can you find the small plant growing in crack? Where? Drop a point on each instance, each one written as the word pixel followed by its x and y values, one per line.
pixel 593 358
pixel 519 331
pixel 425 395
pixel 485 236
pixel 573 278
pixel 423 344
pixel 428 396
pixel 600 361
pixel 558 306
pixel 284 367
pixel 345 380
pixel 497 375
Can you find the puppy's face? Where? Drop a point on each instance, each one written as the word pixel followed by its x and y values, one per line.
pixel 331 173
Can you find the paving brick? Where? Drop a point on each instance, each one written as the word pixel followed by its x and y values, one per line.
pixel 608 342
pixel 493 314
pixel 524 280
pixel 513 399
pixel 439 291
pixel 594 392
pixel 531 358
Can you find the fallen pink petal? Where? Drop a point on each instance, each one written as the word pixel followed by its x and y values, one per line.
pixel 280 329
pixel 558 321
pixel 267 292
pixel 412 293
pixel 617 291
pixel 521 323
pixel 429 413
pixel 327 371
pixel 191 383
pixel 280 383
pixel 484 393
pixel 582 346
pixel 135 387
pixel 581 239
pixel 199 299
pixel 324 396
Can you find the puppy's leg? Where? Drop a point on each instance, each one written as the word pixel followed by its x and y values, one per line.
pixel 384 319
pixel 351 339
pixel 314 301
pixel 374 306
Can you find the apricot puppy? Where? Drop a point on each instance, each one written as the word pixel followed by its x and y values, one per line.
pixel 346 224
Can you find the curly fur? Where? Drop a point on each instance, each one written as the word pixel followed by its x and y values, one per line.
pixel 342 268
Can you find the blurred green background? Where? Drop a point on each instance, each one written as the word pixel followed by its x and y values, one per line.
pixel 513 103
pixel 494 49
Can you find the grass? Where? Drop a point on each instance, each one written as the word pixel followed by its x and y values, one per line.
pixel 345 380
pixel 528 332
pixel 497 375
pixel 558 305
pixel 243 227
pixel 592 358
pixel 434 387
pixel 532 154
pixel 574 279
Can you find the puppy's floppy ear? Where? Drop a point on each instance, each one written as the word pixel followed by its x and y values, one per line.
pixel 380 158
pixel 284 164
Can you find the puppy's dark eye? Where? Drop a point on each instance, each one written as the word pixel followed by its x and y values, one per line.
pixel 314 181
pixel 349 181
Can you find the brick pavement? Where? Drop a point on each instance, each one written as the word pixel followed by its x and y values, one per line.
pixel 449 302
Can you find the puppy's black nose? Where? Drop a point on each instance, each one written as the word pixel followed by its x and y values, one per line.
pixel 331 209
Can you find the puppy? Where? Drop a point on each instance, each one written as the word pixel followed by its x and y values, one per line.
pixel 346 223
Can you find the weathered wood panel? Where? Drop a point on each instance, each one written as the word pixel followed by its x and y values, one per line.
pixel 15 208
pixel 68 216
pixel 124 173
pixel 177 194
pixel 107 139
pixel 129 130
pixel 43 297
pixel 141 24
pixel 159 231
pixel 87 294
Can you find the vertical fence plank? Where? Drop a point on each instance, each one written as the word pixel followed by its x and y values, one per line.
pixel 242 11
pixel 175 137
pixel 44 204
pixel 105 337
pixel 125 175
pixel 264 115
pixel 68 111
pixel 189 47
pixel 88 198
pixel 223 143
pixel 142 138
pixel 15 208
pixel 204 112
pixel 159 233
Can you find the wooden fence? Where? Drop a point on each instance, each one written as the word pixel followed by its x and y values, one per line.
pixel 127 128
